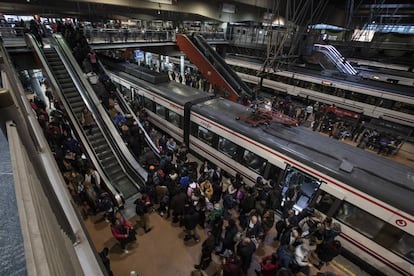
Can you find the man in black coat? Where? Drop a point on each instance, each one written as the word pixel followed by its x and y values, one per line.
pixel 178 205
pixel 206 251
pixel 190 221
pixel 229 240
pixel 245 250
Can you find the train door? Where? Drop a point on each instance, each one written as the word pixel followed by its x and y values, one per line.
pixel 273 173
pixel 187 123
pixel 298 188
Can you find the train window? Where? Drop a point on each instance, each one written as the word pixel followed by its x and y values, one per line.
pixel 174 118
pixel 227 147
pixel 405 107
pixel 253 161
pixel 360 220
pixel 273 173
pixel 148 104
pixel 205 135
pixel 160 110
pixel 404 247
pixel 324 202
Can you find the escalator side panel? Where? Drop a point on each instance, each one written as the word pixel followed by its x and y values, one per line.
pixel 204 66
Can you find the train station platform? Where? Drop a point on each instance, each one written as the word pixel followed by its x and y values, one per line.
pixel 168 254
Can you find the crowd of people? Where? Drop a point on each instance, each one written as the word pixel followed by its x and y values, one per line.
pixel 236 216
pixel 323 118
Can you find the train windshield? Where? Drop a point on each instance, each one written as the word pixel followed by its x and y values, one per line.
pixel 299 188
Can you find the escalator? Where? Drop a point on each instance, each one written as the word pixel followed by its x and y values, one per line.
pixel 224 69
pixel 208 70
pixel 105 153
pixel 333 56
pixel 126 107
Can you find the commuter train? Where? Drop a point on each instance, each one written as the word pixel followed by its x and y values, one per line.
pixel 380 65
pixel 383 75
pixel 368 195
pixel 378 100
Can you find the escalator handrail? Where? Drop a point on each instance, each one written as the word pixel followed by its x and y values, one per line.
pixel 219 59
pixel 225 67
pixel 219 65
pixel 130 111
pixel 56 88
pixel 196 48
pixel 129 163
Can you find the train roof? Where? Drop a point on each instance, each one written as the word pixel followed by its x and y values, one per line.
pixel 379 177
pixel 369 84
pixel 173 91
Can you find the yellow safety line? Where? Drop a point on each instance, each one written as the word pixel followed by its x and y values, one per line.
pixel 343 268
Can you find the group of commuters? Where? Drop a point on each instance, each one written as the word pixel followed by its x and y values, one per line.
pixel 323 118
pixel 236 216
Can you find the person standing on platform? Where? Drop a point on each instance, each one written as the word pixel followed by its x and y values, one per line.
pixel 171 145
pixel 143 204
pixel 123 231
pixel 309 111
pixel 190 221
pixel 49 96
pixel 206 251
pixel 245 250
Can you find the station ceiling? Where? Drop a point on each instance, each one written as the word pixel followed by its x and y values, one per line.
pixel 346 13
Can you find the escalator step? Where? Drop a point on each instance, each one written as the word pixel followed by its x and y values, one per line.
pixel 77 110
pixel 77 105
pixel 98 142
pixel 74 100
pixel 103 151
pixel 115 172
pixel 118 176
pixel 65 85
pixel 72 96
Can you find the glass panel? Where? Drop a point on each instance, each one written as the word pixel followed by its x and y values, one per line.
pixel 274 173
pixel 227 147
pixel 205 135
pixel 174 118
pixel 253 161
pixel 360 220
pixel 324 202
pixel 160 110
pixel 148 104
pixel 405 247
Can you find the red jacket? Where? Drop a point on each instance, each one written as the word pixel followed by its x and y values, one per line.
pixel 120 230
pixel 269 268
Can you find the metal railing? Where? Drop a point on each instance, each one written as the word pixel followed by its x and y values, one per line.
pixel 97 35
